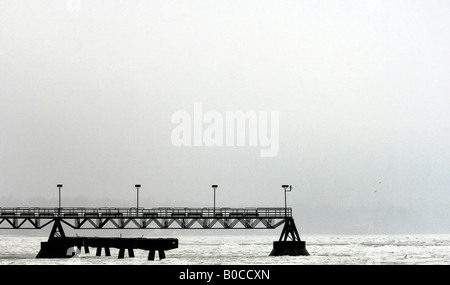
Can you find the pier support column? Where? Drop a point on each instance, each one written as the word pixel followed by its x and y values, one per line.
pixel 99 251
pixel 151 254
pixel 57 230
pixel 121 253
pixel 86 249
pixel 289 242
pixel 130 252
pixel 57 245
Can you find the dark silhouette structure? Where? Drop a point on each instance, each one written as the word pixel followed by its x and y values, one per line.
pixel 147 218
pixel 289 242
pixel 143 218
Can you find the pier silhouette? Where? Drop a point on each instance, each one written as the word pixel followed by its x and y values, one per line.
pixel 78 218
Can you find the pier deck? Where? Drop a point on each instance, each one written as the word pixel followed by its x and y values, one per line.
pixel 144 218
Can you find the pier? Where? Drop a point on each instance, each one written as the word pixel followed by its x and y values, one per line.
pixel 148 218
pixel 144 218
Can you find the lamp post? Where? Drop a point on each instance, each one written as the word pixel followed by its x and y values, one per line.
pixel 59 199
pixel 285 200
pixel 137 197
pixel 214 187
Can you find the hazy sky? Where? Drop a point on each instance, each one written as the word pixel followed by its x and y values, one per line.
pixel 88 88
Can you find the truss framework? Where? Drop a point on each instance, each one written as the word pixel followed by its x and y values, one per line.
pixel 142 218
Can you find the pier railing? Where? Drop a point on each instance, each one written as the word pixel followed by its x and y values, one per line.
pixel 161 212
pixel 144 218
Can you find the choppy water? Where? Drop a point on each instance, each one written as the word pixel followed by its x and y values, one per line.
pixel 253 249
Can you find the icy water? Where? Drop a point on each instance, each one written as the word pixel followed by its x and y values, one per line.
pixel 254 250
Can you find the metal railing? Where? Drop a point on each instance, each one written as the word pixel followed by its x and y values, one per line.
pixel 161 212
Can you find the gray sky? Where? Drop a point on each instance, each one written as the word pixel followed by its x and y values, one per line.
pixel 86 97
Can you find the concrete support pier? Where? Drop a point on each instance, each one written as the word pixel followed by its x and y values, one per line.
pixel 161 254
pixel 99 250
pixel 122 253
pixel 289 242
pixel 60 246
pixel 292 248
pixel 63 247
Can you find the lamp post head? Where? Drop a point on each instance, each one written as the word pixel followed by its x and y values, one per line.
pixel 286 187
pixel 137 185
pixel 215 186
pixel 59 185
